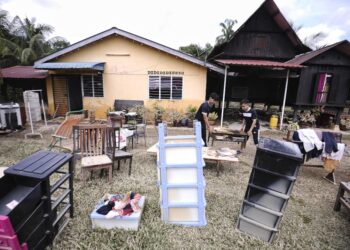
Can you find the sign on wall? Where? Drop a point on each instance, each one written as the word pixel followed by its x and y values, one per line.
pixel 165 72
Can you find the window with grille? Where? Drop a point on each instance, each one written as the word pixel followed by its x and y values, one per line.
pixel 92 85
pixel 165 87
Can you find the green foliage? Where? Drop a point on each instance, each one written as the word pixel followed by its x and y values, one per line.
pixel 293 126
pixel 140 110
pixel 23 41
pixel 196 50
pixel 191 112
pixel 213 116
pixel 227 31
pixel 175 115
pixel 158 110
pixel 14 94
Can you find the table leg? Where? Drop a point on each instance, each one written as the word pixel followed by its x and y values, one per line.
pixel 218 169
pixel 243 144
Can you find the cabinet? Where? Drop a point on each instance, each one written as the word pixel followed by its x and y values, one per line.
pixel 276 167
pixel 37 195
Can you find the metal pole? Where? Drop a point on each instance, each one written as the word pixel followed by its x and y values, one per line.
pixel 42 104
pixel 284 99
pixel 223 98
pixel 30 118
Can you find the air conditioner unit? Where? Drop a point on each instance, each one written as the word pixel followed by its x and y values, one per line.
pixel 10 116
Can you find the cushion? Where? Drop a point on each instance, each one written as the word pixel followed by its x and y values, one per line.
pixel 95 160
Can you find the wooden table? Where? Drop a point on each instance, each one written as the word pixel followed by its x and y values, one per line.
pixel 209 155
pixel 226 134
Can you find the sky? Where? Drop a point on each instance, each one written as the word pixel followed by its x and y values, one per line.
pixel 177 23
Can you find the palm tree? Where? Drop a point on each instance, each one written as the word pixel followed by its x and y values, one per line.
pixel 24 41
pixel 312 40
pixel 30 38
pixel 4 24
pixel 227 31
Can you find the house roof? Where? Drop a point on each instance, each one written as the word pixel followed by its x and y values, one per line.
pixel 116 31
pixel 271 7
pixel 282 22
pixel 259 63
pixel 342 46
pixel 23 72
pixel 71 65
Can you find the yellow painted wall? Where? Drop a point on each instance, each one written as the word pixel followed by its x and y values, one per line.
pixel 126 73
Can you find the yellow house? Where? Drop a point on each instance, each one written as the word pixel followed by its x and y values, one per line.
pixel 117 65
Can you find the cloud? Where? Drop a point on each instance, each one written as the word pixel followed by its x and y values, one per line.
pixel 332 34
pixel 46 3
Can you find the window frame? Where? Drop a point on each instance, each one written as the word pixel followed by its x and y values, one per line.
pixel 160 87
pixel 92 85
pixel 319 94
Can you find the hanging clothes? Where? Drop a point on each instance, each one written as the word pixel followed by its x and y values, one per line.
pixel 310 139
pixel 330 142
pixel 335 155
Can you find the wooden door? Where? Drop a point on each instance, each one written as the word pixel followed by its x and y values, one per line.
pixel 60 95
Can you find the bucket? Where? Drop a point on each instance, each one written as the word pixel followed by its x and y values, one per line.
pixel 273 121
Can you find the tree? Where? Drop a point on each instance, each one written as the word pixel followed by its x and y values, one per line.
pixel 24 41
pixel 57 43
pixel 4 24
pixel 196 50
pixel 312 40
pixel 227 31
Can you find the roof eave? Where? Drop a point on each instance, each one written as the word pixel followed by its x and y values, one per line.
pixel 115 31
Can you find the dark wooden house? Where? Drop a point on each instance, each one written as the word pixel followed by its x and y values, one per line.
pixel 264 49
pixel 325 81
pixel 257 54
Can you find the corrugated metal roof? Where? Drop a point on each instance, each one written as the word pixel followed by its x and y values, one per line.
pixel 342 46
pixel 23 72
pixel 71 65
pixel 115 31
pixel 259 63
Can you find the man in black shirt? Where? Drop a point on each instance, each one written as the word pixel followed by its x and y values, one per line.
pixel 250 123
pixel 202 115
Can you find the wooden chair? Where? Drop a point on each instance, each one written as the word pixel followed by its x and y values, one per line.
pixel 118 121
pixel 113 148
pixel 65 129
pixel 93 140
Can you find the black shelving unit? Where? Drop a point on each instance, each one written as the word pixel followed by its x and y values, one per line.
pixel 275 169
pixel 40 189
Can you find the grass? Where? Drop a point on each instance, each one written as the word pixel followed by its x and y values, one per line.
pixel 309 221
